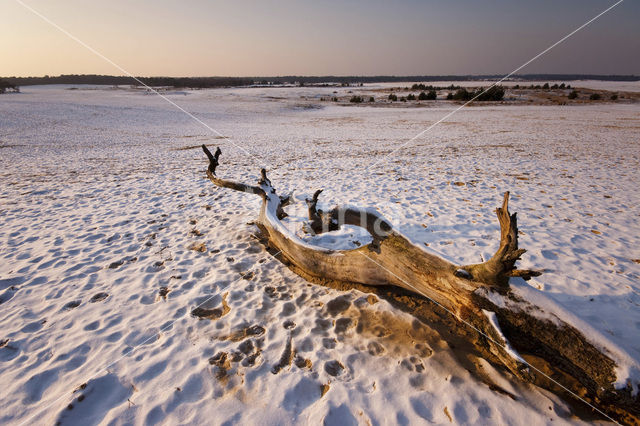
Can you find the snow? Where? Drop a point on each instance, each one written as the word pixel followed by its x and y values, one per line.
pixel 493 319
pixel 102 193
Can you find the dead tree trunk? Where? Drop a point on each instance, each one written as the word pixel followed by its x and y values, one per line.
pixel 528 337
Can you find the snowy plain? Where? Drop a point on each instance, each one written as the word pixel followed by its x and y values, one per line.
pixel 104 197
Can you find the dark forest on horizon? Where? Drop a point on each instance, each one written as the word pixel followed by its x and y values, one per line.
pixel 209 82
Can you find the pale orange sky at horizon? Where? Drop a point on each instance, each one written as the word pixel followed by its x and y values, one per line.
pixel 252 38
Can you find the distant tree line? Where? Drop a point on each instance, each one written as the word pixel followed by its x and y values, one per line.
pixel 544 86
pixel 195 82
pixel 423 87
pixel 354 79
pixel 204 82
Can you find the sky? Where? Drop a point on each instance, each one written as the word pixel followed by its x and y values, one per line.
pixel 346 37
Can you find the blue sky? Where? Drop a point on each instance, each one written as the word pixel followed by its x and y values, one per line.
pixel 250 37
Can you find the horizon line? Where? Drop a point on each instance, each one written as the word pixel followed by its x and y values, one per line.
pixel 409 77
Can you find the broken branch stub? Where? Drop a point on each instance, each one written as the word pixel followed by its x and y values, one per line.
pixel 505 328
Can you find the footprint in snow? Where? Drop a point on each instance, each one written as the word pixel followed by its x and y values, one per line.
pixel 71 305
pixel 99 297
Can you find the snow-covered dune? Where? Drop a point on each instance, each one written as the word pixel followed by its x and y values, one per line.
pixel 111 236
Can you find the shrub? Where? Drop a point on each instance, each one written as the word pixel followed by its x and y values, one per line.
pixel 334 99
pixel 555 86
pixel 5 85
pixel 393 97
pixel 517 86
pixel 461 95
pixel 355 99
pixel 494 93
pixel 411 97
pixel 546 86
pixel 431 96
pixel 371 99
pixel 614 97
pixel 449 96
pixel 403 99
pixel 573 95
pixel 595 97
pixel 561 86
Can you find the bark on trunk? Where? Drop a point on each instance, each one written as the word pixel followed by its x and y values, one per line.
pixel 530 341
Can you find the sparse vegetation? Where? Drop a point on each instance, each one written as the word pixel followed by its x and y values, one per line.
pixel 494 93
pixel 595 97
pixel 355 100
pixel 428 88
pixel 461 95
pixel 5 85
pixel 393 97
pixel 432 95
pixel 411 97
pixel 573 95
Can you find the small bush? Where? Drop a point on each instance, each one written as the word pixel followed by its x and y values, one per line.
pixel 561 86
pixel 411 97
pixel 555 86
pixel 595 97
pixel 461 95
pixel 431 96
pixel 449 96
pixel 546 86
pixel 614 97
pixel 403 99
pixel 517 86
pixel 371 99
pixel 494 93
pixel 573 95
pixel 355 99
pixel 334 99
pixel 393 97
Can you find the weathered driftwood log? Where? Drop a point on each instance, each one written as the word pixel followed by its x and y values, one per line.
pixel 507 322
